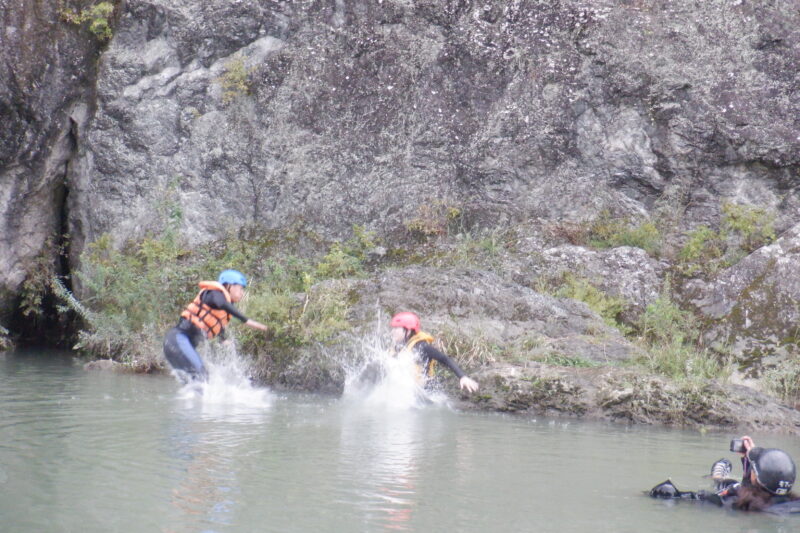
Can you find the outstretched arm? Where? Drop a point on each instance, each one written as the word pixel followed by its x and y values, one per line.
pixel 217 299
pixel 666 490
pixel 255 325
pixel 429 352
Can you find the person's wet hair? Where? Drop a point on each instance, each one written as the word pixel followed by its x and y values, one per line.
pixel 753 498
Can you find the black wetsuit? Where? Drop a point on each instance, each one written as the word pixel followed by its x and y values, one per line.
pixel 426 353
pixel 725 494
pixel 181 341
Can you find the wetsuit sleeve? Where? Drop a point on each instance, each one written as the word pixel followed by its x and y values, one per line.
pixel 710 497
pixel 217 301
pixel 429 352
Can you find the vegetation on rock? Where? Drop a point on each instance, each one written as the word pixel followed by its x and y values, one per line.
pixel 97 18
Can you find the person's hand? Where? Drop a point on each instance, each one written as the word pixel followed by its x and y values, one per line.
pixel 255 325
pixel 748 444
pixel 468 383
pixel 665 490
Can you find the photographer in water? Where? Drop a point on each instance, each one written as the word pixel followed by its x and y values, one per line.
pixel 768 477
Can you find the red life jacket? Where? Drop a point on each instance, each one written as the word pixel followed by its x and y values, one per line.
pixel 210 321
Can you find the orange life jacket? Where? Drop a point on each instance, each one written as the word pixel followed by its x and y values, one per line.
pixel 210 321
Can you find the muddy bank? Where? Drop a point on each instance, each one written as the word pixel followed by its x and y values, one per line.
pixel 607 393
pixel 626 395
pixel 532 353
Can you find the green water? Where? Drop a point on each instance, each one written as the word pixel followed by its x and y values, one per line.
pixel 99 452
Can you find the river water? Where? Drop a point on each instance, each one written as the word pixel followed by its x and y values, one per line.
pixel 98 452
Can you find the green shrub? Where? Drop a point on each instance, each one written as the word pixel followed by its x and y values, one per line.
pixel 235 80
pixel 669 340
pixel 743 229
pixel 609 232
pixel 361 243
pixel 277 309
pixel 140 283
pixel 347 259
pixel 703 251
pixel 754 225
pixel 433 220
pixel 135 293
pixel 97 17
pixel 645 236
pixel 470 351
pixel 339 264
pixel 682 361
pixel 110 335
pixel 608 307
pixel 783 379
pixel 476 248
pixel 663 322
pixel 143 287
pixel 324 313
pixel 37 282
pixel 559 359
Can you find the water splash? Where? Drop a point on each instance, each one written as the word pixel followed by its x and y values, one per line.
pixel 229 389
pixel 376 379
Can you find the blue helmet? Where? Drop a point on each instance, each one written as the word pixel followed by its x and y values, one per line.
pixel 232 277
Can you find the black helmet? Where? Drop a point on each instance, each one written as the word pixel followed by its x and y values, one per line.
pixel 774 469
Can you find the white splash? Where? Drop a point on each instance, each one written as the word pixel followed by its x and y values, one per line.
pixel 377 379
pixel 228 389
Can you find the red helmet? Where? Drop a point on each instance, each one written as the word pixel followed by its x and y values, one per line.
pixel 406 320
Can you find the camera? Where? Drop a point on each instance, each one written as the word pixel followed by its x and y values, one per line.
pixel 737 445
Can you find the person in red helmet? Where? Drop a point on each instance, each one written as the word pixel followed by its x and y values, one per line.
pixel 407 335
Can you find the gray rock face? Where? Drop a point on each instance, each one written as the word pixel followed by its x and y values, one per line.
pixel 216 115
pixel 753 306
pixel 625 272
pixel 477 317
pixel 351 112
pixel 483 308
pixel 46 71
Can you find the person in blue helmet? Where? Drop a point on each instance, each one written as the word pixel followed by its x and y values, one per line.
pixel 205 318
pixel 766 485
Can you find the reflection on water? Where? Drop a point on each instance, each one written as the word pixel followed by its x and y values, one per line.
pixel 389 465
pixel 99 452
pixel 205 433
pixel 205 483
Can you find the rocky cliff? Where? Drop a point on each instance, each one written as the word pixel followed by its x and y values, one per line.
pixel 339 113
pixel 47 72
pixel 222 115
